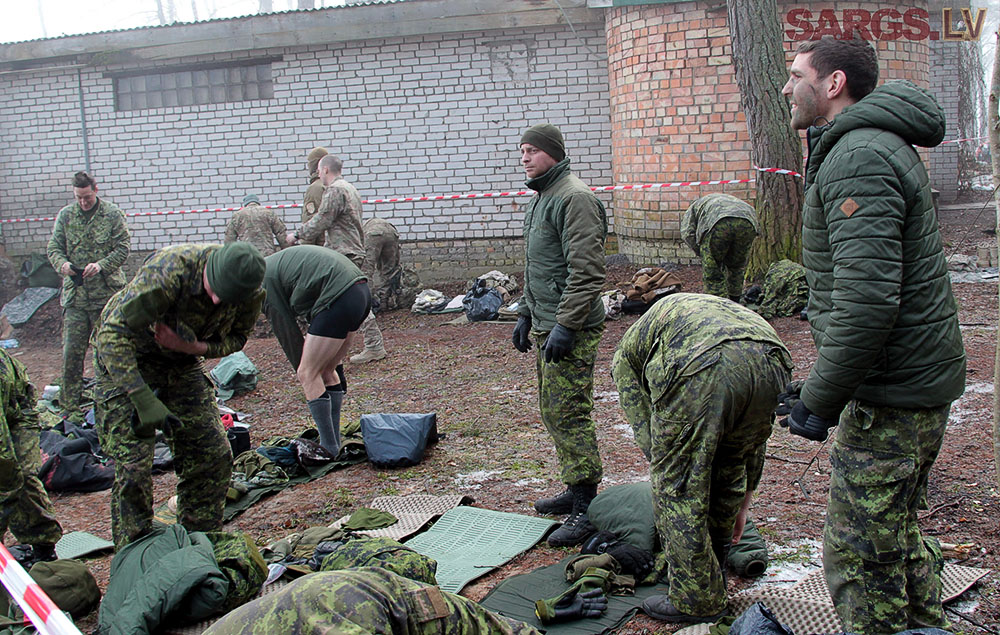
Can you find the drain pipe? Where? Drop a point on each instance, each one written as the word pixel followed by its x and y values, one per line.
pixel 83 122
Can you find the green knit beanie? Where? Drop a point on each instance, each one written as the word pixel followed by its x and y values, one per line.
pixel 235 271
pixel 546 138
pixel 250 198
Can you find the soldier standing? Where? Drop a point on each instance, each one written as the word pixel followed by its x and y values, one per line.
pixel 258 226
pixel 314 193
pixel 186 303
pixel 25 508
pixel 721 229
pixel 698 379
pixel 564 230
pixel 339 216
pixel 89 245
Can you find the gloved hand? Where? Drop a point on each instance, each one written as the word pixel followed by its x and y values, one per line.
pixel 77 275
pixel 804 423
pixel 559 343
pixel 634 561
pixel 150 413
pixel 572 606
pixel 521 339
pixel 788 399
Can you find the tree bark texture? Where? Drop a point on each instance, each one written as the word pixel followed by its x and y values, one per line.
pixel 759 62
pixel 993 123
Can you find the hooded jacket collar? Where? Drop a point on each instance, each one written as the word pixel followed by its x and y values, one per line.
pixel 541 183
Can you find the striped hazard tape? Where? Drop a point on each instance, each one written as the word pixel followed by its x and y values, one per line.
pixel 441 197
pixel 45 616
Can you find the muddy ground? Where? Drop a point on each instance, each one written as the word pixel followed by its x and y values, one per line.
pixel 496 450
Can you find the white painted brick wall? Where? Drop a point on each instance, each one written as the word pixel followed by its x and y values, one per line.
pixel 424 115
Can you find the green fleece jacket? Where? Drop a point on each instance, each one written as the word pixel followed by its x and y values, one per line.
pixel 564 230
pixel 880 303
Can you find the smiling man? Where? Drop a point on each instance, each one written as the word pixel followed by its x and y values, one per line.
pixel 186 303
pixel 890 354
pixel 564 230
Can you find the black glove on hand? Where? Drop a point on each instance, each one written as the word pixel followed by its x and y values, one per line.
pixel 522 330
pixel 805 424
pixel 77 275
pixel 572 606
pixel 634 561
pixel 559 343
pixel 788 399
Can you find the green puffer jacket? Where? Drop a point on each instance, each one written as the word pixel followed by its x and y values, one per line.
pixel 564 230
pixel 881 308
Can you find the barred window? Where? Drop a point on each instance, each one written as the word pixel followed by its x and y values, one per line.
pixel 194 85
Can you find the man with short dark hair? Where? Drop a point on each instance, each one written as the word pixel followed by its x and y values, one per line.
pixel 258 226
pixel 890 355
pixel 89 245
pixel 564 230
pixel 186 303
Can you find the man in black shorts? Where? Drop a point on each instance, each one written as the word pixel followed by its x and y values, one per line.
pixel 326 288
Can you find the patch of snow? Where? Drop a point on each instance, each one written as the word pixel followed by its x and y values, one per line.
pixel 530 481
pixel 625 429
pixel 472 480
pixel 788 564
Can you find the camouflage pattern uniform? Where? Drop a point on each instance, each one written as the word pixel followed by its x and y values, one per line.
pixel 167 289
pixel 565 226
pixel 721 228
pixel 363 601
pixel 258 226
pixel 395 286
pixel 310 204
pixel 339 216
pixel 79 238
pixel 24 506
pixel 698 379
pixel 880 471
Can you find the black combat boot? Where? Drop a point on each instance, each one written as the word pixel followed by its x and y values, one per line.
pixel 577 527
pixel 558 504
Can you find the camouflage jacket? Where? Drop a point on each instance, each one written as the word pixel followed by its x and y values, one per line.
pixel 17 395
pixel 310 205
pixel 564 230
pixel 168 289
pixel 671 337
pixel 702 215
pixel 258 226
pixel 80 239
pixel 339 215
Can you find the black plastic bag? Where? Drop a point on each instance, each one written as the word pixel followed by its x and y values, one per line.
pixel 482 302
pixel 758 620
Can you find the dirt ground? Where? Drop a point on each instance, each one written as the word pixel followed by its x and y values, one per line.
pixel 496 450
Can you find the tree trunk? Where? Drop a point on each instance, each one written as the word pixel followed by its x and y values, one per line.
pixel 759 61
pixel 993 118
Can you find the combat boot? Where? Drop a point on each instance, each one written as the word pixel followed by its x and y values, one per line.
pixel 721 551
pixel 558 504
pixel 368 355
pixel 660 607
pixel 577 527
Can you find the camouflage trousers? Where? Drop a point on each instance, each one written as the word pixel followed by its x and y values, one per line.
pixel 78 324
pixel 566 399
pixel 363 601
pixel 372 334
pixel 724 252
pixel 25 508
pixel 884 577
pixel 707 436
pixel 202 457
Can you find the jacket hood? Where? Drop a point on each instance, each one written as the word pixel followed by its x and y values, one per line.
pixel 899 106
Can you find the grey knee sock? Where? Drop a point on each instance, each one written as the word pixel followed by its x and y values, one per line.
pixel 328 426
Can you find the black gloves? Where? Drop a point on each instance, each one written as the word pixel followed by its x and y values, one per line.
pixel 559 343
pixel 634 561
pixel 805 424
pixel 788 399
pixel 77 275
pixel 572 606
pixel 521 339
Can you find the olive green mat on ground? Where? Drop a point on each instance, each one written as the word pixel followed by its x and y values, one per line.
pixel 77 544
pixel 806 607
pixel 469 542
pixel 166 516
pixel 515 598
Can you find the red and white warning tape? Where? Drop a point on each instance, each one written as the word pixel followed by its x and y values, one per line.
pixel 442 197
pixel 43 613
pixel 961 140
